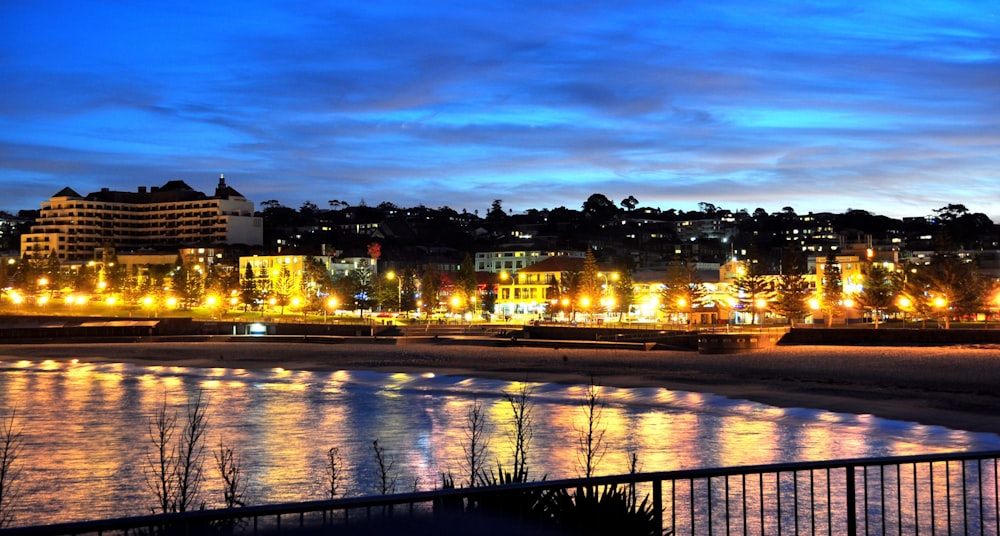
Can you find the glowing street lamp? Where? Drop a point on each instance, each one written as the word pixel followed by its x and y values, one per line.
pixel 761 305
pixel 331 305
pixel 399 288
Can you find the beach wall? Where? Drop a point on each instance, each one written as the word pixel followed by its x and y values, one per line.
pixel 889 337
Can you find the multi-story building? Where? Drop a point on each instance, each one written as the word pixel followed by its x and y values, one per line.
pixel 515 260
pixel 74 227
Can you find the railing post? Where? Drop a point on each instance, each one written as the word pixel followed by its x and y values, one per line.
pixel 658 503
pixel 852 514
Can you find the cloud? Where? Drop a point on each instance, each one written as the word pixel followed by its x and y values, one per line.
pixel 817 107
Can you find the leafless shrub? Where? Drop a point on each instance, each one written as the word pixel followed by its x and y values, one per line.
pixel 11 444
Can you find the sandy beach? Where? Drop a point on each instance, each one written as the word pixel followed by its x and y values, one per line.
pixel 955 387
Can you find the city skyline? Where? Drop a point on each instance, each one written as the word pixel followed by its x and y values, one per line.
pixel 886 108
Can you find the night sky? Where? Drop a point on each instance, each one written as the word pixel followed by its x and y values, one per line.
pixel 891 107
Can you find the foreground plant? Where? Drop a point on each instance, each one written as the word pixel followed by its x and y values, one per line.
pixel 173 469
pixel 11 444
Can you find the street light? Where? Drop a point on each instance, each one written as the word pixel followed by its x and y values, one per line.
pixel 761 306
pixel 399 290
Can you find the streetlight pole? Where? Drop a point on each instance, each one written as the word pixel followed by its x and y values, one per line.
pixel 399 289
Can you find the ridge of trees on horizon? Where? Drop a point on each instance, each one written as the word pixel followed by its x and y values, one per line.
pixel 618 226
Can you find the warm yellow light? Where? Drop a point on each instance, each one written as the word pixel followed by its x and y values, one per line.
pixel 848 303
pixel 272 301
pixel 814 304
pixel 940 302
pixel 233 301
pixel 681 302
pixel 504 276
pixel 43 281
pixel 70 300
pixel 455 301
pixel 171 302
pixel 16 298
pixel 43 300
pixel 295 302
pixel 148 300
pixel 390 275
pixel 761 304
pixel 102 285
pixel 331 303
pixel 110 300
pixel 904 302
pixel 565 301
pixel 585 301
pixel 210 301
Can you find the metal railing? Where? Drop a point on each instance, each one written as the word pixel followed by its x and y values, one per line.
pixel 954 493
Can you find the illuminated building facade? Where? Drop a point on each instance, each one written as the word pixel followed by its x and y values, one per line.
pixel 73 227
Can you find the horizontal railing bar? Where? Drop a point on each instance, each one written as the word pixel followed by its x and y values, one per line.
pixel 348 503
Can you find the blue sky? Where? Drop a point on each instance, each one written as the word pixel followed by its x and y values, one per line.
pixel 891 107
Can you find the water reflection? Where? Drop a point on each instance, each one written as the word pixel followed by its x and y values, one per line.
pixel 86 431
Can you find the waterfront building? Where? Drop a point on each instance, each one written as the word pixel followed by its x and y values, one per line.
pixel 72 227
pixel 514 260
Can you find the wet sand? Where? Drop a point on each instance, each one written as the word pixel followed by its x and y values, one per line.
pixel 955 387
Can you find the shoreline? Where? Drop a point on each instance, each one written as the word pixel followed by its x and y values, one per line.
pixel 956 387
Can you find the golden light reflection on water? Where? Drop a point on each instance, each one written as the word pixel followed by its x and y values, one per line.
pixel 86 426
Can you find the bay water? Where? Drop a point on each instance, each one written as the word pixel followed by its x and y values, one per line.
pixel 87 444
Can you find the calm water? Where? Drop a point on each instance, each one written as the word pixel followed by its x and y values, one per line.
pixel 86 431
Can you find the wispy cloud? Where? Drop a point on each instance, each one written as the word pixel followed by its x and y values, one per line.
pixel 827 106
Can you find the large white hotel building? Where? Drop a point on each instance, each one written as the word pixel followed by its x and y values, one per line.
pixel 73 227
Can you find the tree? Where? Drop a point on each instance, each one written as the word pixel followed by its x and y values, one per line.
pixel 174 468
pixel 316 279
pixel 408 289
pixel 629 203
pixel 11 445
pixel 521 431
pixel 914 294
pixel 590 436
pixel 283 286
pixel 231 471
pixel 833 287
pixel 624 293
pixel 877 292
pixel 477 443
pixel 589 287
pixel 496 213
pixel 598 208
pixel 430 286
pixel 953 286
pixel 683 288
pixel 334 471
pixel 249 293
pixel 466 283
pixel 385 473
pixel 187 285
pixel 793 290
pixel 754 287
pixel 361 286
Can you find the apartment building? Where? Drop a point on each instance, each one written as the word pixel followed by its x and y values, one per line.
pixel 73 227
pixel 515 260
